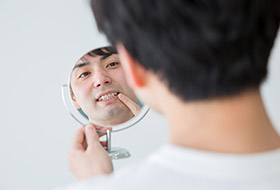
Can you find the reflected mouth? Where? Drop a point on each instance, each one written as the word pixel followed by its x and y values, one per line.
pixel 107 96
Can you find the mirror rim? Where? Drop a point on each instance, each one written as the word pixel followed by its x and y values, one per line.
pixel 129 123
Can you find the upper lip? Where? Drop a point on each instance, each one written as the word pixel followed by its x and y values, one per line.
pixel 105 92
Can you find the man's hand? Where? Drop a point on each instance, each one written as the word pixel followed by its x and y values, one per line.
pixel 134 108
pixel 87 157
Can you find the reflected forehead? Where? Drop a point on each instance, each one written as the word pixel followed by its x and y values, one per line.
pixel 87 60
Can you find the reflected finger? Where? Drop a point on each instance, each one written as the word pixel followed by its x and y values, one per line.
pixel 134 108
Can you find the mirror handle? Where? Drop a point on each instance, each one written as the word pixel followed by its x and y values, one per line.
pixel 108 139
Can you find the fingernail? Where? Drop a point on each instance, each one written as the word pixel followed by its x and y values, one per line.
pixel 121 96
pixel 89 128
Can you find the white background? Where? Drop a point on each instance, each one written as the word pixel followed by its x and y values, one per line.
pixel 39 43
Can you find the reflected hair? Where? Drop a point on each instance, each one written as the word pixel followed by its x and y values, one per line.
pixel 103 51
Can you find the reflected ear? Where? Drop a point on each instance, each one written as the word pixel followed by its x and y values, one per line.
pixel 74 100
pixel 134 71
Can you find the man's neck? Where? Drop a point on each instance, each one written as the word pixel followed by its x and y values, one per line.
pixel 231 125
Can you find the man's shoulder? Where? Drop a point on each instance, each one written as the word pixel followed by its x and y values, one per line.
pixel 138 175
pixel 192 168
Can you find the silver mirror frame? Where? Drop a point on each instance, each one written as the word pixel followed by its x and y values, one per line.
pixel 83 121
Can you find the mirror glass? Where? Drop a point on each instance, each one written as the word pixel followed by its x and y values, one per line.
pixel 99 91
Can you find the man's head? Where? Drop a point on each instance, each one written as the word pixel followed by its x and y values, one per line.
pixel 95 81
pixel 201 49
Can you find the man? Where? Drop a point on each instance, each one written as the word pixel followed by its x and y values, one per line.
pixel 96 81
pixel 204 61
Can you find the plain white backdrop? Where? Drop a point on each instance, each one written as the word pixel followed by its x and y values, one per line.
pixel 39 43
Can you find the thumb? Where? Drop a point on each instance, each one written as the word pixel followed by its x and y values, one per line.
pixel 92 137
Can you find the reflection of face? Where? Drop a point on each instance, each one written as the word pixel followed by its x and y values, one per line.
pixel 95 82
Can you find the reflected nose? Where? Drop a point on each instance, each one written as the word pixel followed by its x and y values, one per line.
pixel 101 79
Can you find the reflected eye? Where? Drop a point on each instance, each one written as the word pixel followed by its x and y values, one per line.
pixel 83 75
pixel 113 64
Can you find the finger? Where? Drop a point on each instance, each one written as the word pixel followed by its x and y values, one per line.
pixel 101 134
pixel 92 137
pixel 129 103
pixel 85 144
pixel 103 128
pixel 78 139
pixel 104 143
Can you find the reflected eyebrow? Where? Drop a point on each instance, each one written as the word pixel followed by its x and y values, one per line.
pixel 105 57
pixel 79 65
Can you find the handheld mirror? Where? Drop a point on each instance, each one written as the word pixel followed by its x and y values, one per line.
pixel 98 93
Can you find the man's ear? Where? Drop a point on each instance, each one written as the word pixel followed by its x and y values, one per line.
pixel 74 100
pixel 134 71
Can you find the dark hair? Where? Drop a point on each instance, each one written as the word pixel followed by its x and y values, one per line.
pixel 200 48
pixel 103 51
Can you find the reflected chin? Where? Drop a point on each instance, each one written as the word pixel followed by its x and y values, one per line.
pixel 112 116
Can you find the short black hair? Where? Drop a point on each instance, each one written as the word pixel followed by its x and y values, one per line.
pixel 102 51
pixel 201 48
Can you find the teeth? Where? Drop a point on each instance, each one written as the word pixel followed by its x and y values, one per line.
pixel 107 96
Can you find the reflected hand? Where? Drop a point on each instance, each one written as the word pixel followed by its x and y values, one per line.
pixel 134 108
pixel 87 157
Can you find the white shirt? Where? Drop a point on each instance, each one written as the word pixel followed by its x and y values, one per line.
pixel 174 167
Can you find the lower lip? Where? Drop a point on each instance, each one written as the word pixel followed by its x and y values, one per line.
pixel 108 100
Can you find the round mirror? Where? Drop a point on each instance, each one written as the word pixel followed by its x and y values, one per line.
pixel 97 92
